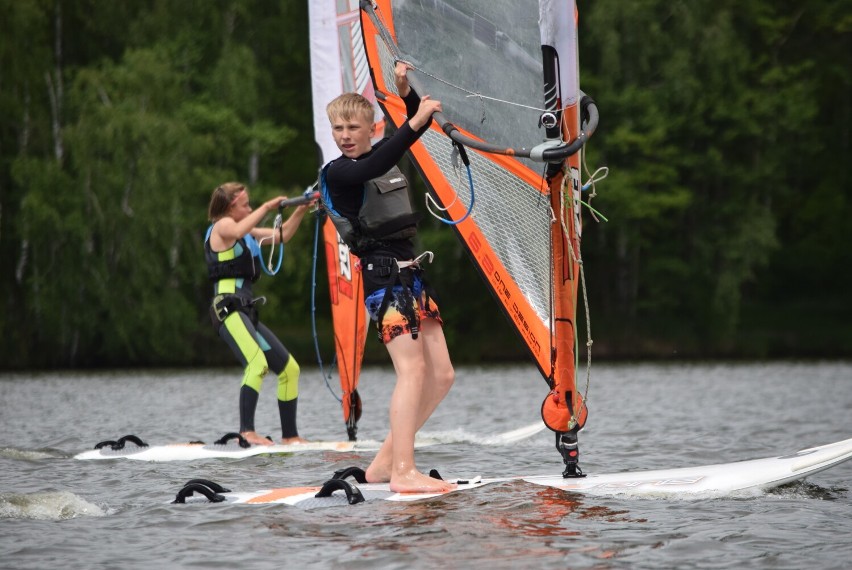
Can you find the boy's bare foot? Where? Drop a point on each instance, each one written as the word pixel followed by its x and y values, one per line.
pixel 254 438
pixel 415 482
pixel 378 473
pixel 293 440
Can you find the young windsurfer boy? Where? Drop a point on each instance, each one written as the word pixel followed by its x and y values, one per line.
pixel 368 199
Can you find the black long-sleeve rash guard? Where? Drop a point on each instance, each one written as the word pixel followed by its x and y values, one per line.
pixel 345 177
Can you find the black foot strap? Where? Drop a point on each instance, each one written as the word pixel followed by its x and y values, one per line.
pixel 233 435
pixel 355 472
pixel 361 477
pixel 207 488
pixel 116 445
pixel 353 495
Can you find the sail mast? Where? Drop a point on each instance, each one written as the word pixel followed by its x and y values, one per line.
pixel 564 409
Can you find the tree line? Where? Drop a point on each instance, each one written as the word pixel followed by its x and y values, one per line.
pixel 726 129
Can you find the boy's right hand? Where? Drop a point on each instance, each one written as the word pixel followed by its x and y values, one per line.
pixel 424 112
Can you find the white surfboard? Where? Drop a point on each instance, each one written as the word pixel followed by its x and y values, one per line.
pixel 706 481
pixel 128 449
pixel 709 480
pixel 306 497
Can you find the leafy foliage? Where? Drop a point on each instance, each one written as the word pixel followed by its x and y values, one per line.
pixel 726 128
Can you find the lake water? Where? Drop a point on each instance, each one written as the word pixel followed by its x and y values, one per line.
pixel 56 511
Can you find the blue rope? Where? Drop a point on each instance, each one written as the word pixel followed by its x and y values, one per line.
pixel 254 247
pixel 273 272
pixel 325 376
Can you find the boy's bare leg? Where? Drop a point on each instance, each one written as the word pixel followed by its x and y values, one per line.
pixel 438 379
pixel 410 364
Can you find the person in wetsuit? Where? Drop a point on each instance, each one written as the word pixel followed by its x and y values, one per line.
pixel 366 196
pixel 234 262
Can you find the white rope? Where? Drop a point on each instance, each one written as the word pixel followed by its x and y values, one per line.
pixel 577 258
pixel 275 226
pixel 598 175
pixel 430 201
pixel 476 94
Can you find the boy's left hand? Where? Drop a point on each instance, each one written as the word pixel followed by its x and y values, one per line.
pixel 400 72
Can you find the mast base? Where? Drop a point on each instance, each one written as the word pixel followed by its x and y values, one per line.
pixel 352 432
pixel 568 447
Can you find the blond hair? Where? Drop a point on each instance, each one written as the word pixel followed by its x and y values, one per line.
pixel 349 106
pixel 222 198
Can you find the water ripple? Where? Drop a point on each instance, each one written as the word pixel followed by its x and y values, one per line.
pixel 49 506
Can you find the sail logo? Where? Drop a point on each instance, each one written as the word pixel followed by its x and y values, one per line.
pixel 502 290
pixel 344 269
pixel 524 328
pixel 344 259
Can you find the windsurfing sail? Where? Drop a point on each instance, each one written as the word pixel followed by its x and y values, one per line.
pixel 339 65
pixel 508 79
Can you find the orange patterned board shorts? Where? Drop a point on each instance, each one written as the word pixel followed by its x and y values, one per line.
pixel 404 313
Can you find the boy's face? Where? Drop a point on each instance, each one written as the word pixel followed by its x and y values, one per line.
pixel 354 135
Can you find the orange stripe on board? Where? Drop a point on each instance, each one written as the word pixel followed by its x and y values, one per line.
pixel 276 494
pixel 424 493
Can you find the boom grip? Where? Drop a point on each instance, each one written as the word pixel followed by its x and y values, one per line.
pixel 306 198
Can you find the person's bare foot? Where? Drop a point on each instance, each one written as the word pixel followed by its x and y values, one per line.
pixel 293 440
pixel 415 482
pixel 255 439
pixel 378 473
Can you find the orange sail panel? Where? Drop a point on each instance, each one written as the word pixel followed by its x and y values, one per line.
pixel 349 316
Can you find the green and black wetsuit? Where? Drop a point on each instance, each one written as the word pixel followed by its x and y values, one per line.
pixel 234 315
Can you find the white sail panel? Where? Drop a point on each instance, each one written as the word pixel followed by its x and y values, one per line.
pixel 558 24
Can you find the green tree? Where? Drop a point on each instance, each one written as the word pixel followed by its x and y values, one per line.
pixel 704 109
pixel 111 227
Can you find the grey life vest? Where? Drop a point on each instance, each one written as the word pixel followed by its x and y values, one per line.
pixel 386 213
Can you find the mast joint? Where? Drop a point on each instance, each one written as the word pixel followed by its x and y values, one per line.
pixel 537 152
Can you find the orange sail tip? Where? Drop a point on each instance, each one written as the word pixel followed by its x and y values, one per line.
pixel 555 413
